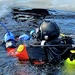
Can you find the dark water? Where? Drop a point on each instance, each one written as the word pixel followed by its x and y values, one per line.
pixel 11 66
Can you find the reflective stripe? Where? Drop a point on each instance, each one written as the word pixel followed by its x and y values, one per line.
pixel 20 48
pixel 62 35
pixel 72 51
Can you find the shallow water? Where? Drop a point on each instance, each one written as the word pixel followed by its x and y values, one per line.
pixel 11 66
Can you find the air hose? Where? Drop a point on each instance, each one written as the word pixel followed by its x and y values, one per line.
pixel 5 27
pixel 8 35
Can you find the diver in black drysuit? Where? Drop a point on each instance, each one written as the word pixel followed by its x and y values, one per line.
pixel 44 43
pixel 47 34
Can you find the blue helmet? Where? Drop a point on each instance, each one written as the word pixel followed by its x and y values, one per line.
pixel 8 36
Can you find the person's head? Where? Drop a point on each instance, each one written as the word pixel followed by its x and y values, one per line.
pixel 49 30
